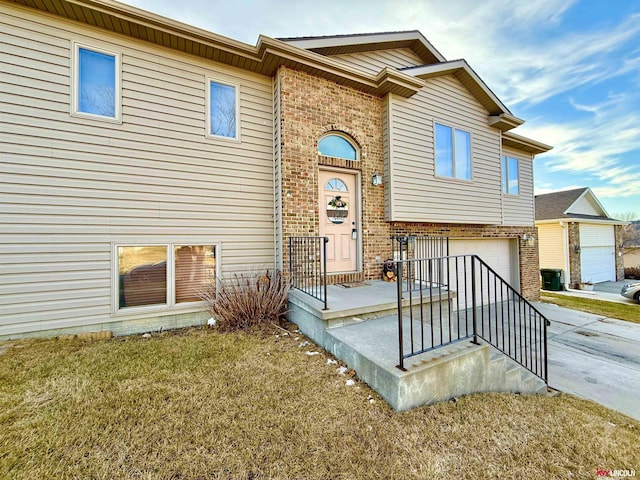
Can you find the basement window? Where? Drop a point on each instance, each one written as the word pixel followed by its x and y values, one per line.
pixel 162 275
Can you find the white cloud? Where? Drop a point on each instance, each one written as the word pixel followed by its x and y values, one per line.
pixel 598 146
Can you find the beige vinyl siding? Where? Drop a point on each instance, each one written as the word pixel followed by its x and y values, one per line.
pixel 553 246
pixel 417 194
pixel 376 60
pixel 519 209
pixel 386 137
pixel 72 187
pixel 584 207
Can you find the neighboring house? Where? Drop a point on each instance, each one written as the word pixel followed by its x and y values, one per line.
pixel 631 250
pixel 631 257
pixel 578 236
pixel 141 155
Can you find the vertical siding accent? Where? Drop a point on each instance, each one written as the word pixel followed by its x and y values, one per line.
pixel 553 246
pixel 72 187
pixel 277 168
pixel 519 209
pixel 420 196
pixel 376 60
pixel 387 135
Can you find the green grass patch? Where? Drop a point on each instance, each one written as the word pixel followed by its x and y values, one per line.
pixel 621 311
pixel 198 404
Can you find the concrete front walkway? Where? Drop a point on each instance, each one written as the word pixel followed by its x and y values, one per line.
pixel 594 357
pixel 361 328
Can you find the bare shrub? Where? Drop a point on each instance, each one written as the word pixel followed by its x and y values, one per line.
pixel 632 273
pixel 248 300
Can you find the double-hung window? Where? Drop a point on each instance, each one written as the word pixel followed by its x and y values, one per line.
pixel 96 91
pixel 453 152
pixel 510 178
pixel 222 111
pixel 162 275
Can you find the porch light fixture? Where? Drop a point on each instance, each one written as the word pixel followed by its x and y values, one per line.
pixel 376 179
pixel 529 239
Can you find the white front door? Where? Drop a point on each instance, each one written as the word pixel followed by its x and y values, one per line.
pixel 338 209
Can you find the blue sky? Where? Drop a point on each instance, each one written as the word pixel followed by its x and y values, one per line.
pixel 570 68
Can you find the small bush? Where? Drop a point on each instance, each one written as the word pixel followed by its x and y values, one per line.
pixel 632 272
pixel 247 300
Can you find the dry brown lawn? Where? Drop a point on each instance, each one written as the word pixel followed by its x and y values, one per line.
pixel 198 404
pixel 622 311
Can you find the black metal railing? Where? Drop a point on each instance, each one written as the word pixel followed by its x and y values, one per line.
pixel 460 297
pixel 407 247
pixel 308 266
pixel 404 247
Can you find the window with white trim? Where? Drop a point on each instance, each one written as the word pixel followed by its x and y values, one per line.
pixel 162 275
pixel 337 146
pixel 223 110
pixel 510 176
pixel 96 83
pixel 452 152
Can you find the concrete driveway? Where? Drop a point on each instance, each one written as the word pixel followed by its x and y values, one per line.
pixel 594 357
pixel 609 291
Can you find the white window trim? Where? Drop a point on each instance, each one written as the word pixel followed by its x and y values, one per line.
pixel 453 153
pixel 170 305
pixel 75 83
pixel 505 174
pixel 208 133
pixel 336 133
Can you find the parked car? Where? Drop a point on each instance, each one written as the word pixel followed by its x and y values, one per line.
pixel 632 291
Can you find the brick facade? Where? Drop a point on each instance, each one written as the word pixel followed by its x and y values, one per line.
pixel 310 107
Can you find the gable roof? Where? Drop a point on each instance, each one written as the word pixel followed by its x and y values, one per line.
pixel 364 42
pixel 469 78
pixel 558 206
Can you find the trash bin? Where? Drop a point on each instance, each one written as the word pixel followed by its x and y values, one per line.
pixel 551 279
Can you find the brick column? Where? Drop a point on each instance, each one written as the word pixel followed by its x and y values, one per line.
pixel 575 274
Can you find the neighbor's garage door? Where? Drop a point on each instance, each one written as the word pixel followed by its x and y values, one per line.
pixel 597 253
pixel 500 254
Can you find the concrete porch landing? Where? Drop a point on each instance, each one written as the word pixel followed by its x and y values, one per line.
pixel 361 329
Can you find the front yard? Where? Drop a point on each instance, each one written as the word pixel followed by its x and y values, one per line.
pixel 199 404
pixel 622 311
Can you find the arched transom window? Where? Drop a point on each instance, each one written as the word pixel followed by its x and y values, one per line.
pixel 335 185
pixel 336 145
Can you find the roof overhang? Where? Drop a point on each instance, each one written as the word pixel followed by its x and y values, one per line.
pixel 472 82
pixel 344 44
pixel 595 221
pixel 519 142
pixel 504 121
pixel 263 58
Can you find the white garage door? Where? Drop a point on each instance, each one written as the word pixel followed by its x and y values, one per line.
pixel 500 254
pixel 597 253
